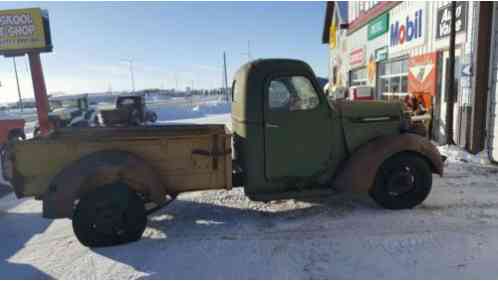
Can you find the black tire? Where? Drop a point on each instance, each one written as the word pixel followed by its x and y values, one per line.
pixel 36 132
pixel 111 215
pixel 153 117
pixel 402 182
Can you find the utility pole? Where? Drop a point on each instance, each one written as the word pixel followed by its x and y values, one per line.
pixel 109 87
pixel 176 82
pixel 17 81
pixel 450 82
pixel 249 50
pixel 225 77
pixel 130 62
pixel 192 93
pixel 248 53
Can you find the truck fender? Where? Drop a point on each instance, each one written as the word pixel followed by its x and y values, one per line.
pixel 97 169
pixel 359 171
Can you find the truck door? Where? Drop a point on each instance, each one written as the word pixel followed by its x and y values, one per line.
pixel 297 128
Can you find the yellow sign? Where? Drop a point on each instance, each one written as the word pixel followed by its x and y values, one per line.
pixel 333 34
pixel 22 30
pixel 371 70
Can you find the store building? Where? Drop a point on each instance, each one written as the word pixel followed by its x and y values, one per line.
pixel 399 48
pixel 492 87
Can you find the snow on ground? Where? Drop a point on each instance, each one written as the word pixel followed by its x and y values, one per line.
pixel 189 109
pixel 221 234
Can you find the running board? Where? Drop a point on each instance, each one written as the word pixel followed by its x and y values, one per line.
pixel 295 194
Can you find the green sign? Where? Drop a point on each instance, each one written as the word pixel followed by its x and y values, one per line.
pixel 381 54
pixel 378 26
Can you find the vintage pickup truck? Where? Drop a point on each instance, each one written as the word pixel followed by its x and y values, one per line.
pixel 288 142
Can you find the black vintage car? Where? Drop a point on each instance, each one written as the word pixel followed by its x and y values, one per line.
pixel 130 111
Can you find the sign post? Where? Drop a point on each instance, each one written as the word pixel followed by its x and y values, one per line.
pixel 40 91
pixel 27 31
pixel 450 88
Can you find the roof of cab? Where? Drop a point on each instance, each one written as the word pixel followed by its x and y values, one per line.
pixel 250 80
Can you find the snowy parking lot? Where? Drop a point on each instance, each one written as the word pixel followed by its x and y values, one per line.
pixel 221 234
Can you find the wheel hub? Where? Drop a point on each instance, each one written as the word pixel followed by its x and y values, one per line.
pixel 109 219
pixel 402 180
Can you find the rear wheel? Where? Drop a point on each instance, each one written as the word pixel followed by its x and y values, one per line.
pixel 402 182
pixel 111 215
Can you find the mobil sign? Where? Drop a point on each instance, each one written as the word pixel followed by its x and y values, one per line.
pixel 408 26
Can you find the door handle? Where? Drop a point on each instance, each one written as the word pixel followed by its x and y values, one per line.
pixel 269 125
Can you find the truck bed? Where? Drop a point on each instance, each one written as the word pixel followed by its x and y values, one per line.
pixel 182 155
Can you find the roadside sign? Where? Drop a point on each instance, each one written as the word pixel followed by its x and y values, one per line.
pixel 23 31
pixel 444 19
pixel 466 70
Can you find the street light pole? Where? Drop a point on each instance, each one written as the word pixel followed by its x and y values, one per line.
pixel 130 62
pixel 17 81
pixel 225 77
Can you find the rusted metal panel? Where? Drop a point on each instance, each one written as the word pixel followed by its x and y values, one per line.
pixel 358 173
pixel 156 162
pixel 98 169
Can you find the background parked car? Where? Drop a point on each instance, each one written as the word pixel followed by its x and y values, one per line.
pixel 11 128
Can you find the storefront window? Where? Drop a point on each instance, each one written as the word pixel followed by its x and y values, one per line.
pixel 393 79
pixel 404 84
pixel 381 68
pixel 395 86
pixel 359 77
pixel 384 85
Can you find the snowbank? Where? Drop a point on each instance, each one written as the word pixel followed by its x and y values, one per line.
pixel 189 110
pixel 456 154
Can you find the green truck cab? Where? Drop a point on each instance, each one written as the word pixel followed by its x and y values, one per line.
pixel 291 141
pixel 288 141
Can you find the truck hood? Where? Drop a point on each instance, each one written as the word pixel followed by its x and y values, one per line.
pixel 361 110
pixel 364 121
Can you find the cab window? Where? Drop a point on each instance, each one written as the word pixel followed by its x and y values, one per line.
pixel 292 94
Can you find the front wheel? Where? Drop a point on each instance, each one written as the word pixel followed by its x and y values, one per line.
pixel 402 182
pixel 111 215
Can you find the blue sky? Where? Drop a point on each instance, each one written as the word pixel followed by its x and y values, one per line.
pixel 166 40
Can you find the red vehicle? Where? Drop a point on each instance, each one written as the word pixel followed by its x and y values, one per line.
pixel 11 128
